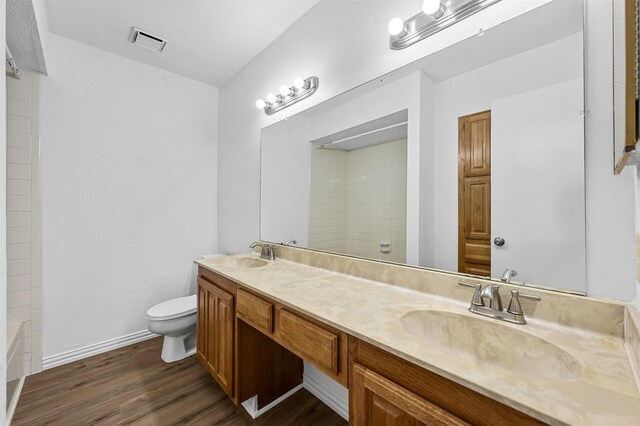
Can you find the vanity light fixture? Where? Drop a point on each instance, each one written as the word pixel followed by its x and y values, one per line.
pixel 436 15
pixel 288 95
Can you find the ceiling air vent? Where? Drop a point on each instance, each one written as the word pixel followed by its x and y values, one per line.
pixel 148 41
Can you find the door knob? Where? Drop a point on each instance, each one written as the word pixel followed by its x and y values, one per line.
pixel 499 241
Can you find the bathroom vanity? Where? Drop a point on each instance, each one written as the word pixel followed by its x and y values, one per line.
pixel 402 341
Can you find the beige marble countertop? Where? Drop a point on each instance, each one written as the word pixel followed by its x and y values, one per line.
pixel 588 378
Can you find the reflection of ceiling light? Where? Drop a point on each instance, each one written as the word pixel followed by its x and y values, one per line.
pixel 396 26
pixel 435 16
pixel 289 95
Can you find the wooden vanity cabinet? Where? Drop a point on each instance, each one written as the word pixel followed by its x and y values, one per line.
pixel 315 342
pixel 215 333
pixel 385 390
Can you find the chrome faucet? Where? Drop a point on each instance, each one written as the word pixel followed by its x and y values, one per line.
pixel 494 309
pixel 492 293
pixel 266 252
pixel 508 274
pixel 289 242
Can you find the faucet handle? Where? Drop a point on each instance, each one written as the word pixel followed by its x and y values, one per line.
pixel 514 305
pixel 476 300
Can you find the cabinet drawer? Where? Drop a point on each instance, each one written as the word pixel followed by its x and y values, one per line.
pixel 310 341
pixel 255 311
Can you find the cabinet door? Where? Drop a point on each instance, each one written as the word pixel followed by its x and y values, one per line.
pixel 223 338
pixel 215 332
pixel 202 323
pixel 376 400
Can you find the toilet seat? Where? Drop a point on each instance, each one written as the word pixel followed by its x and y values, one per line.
pixel 174 308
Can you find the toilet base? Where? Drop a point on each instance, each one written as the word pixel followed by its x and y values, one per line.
pixel 178 347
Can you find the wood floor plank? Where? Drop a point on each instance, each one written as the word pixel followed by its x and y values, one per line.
pixel 133 386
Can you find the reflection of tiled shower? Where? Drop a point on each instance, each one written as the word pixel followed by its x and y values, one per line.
pixel 359 201
pixel 24 287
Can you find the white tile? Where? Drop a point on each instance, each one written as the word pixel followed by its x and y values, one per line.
pixel 15 123
pixel 27 344
pixel 36 298
pixel 18 107
pixel 36 257
pixel 18 283
pixel 36 250
pixel 18 155
pixel 26 328
pixel 36 320
pixel 18 91
pixel 36 362
pixel 18 267
pixel 36 235
pixel 18 139
pixel 18 219
pixel 26 78
pixel 19 251
pixel 36 212
pixel 18 235
pixel 36 276
pixel 18 171
pixel 26 359
pixel 36 341
pixel 18 203
pixel 19 315
pixel 18 187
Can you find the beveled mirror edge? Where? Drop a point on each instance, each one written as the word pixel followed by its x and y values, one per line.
pixel 631 133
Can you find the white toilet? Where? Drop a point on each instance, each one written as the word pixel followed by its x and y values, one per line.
pixel 176 320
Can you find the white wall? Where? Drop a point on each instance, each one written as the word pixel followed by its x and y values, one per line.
pixel 129 171
pixel 286 159
pixel 537 186
pixel 610 200
pixel 353 51
pixel 3 227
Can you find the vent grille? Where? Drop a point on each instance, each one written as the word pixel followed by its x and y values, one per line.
pixel 147 40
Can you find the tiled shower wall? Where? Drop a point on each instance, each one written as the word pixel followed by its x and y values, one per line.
pixel 24 241
pixel 328 210
pixel 359 199
pixel 377 201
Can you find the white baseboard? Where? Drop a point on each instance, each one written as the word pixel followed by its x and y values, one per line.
pixel 251 404
pixel 320 386
pixel 14 401
pixel 95 349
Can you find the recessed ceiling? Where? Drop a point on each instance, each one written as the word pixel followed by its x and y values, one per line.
pixel 208 41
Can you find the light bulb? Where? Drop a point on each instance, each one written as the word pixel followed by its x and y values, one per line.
pixel 261 104
pixel 272 98
pixel 396 26
pixel 299 83
pixel 433 8
pixel 284 90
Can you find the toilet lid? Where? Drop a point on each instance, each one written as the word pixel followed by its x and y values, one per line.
pixel 174 308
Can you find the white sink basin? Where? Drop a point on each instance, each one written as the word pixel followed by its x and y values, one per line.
pixel 489 343
pixel 241 262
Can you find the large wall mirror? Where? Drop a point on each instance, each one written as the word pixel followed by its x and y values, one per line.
pixel 469 160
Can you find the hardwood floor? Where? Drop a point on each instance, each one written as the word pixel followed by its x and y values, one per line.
pixel 133 386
